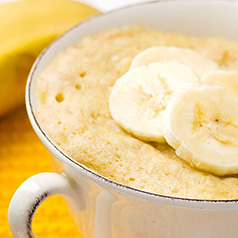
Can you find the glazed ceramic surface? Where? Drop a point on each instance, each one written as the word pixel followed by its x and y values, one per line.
pixel 105 209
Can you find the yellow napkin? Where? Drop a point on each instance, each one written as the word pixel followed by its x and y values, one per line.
pixel 21 156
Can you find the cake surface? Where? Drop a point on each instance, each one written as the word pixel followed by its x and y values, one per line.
pixel 72 107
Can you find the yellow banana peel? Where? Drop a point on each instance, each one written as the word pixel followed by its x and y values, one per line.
pixel 26 27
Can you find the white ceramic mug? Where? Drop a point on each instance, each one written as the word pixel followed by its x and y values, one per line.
pixel 102 208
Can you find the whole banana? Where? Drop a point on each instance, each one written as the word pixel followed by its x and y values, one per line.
pixel 26 27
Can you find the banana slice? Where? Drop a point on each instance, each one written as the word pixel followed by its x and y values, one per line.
pixel 226 79
pixel 140 96
pixel 202 126
pixel 199 63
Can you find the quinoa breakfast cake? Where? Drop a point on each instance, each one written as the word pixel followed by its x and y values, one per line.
pixel 75 108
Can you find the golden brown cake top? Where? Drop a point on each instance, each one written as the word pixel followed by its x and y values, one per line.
pixel 73 109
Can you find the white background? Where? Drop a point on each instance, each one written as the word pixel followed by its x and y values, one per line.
pixel 107 5
pixel 103 5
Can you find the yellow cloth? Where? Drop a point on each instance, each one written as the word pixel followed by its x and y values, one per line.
pixel 21 156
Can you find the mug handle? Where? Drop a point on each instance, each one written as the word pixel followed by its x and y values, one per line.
pixel 31 194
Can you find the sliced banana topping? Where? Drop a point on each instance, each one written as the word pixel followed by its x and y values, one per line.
pixel 199 63
pixel 202 126
pixel 140 96
pixel 226 79
pixel 160 98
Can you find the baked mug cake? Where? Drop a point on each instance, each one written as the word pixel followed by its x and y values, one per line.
pixel 148 109
pixel 138 108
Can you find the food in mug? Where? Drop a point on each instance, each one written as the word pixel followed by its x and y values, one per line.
pixel 72 106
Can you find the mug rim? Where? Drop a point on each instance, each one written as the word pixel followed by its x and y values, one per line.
pixel 123 188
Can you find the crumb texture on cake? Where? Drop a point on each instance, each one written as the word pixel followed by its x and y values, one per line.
pixel 72 96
